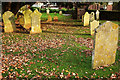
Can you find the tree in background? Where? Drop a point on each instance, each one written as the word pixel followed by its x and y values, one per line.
pixel 14 6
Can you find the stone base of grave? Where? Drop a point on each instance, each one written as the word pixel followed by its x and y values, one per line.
pixel 6 31
pixel 9 30
pixel 35 32
pixel 27 26
pixel 86 24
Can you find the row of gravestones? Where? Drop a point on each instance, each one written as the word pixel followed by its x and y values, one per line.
pixel 28 21
pixel 86 18
pixel 31 20
pixel 106 40
pixel 48 11
pixel 106 36
pixel 90 19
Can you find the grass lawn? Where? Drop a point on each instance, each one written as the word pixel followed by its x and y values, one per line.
pixel 60 17
pixel 57 52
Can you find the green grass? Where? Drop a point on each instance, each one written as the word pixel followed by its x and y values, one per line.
pixel 69 57
pixel 60 17
pixel 66 58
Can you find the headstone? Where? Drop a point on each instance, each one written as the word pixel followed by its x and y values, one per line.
pixel 48 11
pixel 22 9
pixel 94 24
pixel 92 16
pixel 49 18
pixel 27 19
pixel 97 15
pixel 106 40
pixel 9 22
pixel 60 12
pixel 86 19
pixel 55 18
pixel 21 20
pixel 36 22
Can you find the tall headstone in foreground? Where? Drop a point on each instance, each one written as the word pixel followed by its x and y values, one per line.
pixel 106 40
pixel 27 19
pixel 86 19
pixel 94 24
pixel 92 16
pixel 9 22
pixel 36 22
pixel 97 15
pixel 49 18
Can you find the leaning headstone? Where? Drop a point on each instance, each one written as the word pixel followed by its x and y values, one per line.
pixel 86 19
pixel 97 15
pixel 22 9
pixel 94 24
pixel 27 19
pixel 60 12
pixel 92 16
pixel 21 20
pixel 106 40
pixel 49 18
pixel 9 22
pixel 48 11
pixel 36 22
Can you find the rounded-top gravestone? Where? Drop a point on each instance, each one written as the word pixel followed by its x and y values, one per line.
pixel 36 22
pixel 27 19
pixel 9 22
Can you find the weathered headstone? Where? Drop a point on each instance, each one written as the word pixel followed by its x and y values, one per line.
pixel 36 22
pixel 48 11
pixel 60 12
pixel 22 9
pixel 49 18
pixel 94 24
pixel 92 16
pixel 97 15
pixel 9 22
pixel 21 20
pixel 86 19
pixel 27 19
pixel 106 40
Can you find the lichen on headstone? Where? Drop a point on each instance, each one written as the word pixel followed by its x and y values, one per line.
pixel 36 22
pixel 106 40
pixel 9 22
pixel 86 19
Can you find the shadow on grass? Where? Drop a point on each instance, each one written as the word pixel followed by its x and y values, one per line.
pixel 73 25
pixel 66 33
